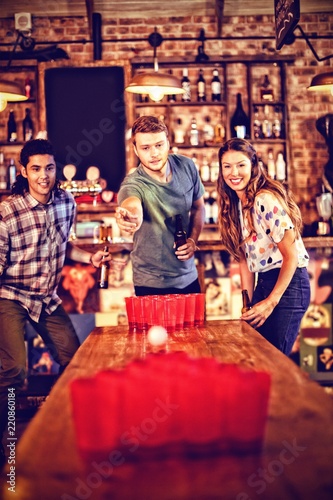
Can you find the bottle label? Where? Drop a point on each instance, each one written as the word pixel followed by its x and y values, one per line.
pixel 201 89
pixel 240 131
pixel 187 95
pixel 216 88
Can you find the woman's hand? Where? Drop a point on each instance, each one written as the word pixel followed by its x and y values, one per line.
pixel 258 314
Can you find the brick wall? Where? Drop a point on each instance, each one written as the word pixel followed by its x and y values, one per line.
pixel 308 148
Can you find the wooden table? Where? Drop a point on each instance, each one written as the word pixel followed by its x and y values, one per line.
pixel 296 462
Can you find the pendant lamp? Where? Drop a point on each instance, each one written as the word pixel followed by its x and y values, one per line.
pixel 322 83
pixel 154 83
pixel 10 91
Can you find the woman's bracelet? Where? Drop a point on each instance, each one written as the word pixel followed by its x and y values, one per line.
pixel 195 245
pixel 91 262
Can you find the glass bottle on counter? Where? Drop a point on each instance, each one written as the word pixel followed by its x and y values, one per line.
pixel 186 84
pixel 180 233
pixel 201 87
pixel 280 167
pixel 239 123
pixel 216 86
pixel 194 133
pixel 103 272
pixel 11 173
pixel 3 172
pixel 246 301
pixel 270 164
pixel 11 127
pixel 28 128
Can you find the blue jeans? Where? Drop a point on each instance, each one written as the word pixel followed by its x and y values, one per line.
pixel 282 326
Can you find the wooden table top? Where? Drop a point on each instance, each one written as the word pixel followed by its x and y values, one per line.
pixel 297 457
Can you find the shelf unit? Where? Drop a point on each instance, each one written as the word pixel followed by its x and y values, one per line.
pixel 242 75
pixel 19 75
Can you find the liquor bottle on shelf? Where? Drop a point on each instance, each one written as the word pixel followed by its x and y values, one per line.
pixel 266 91
pixel 246 301
pixel 103 272
pixel 171 97
pixel 186 84
pixel 219 131
pixel 195 161
pixel 260 161
pixel 214 170
pixel 239 123
pixel 216 86
pixel 3 172
pixel 201 87
pixel 208 131
pixel 180 233
pixel 257 125
pixel 11 127
pixel 28 128
pixel 267 123
pixel 208 207
pixel 27 88
pixel 270 164
pixel 214 215
pixel 194 133
pixel 205 170
pixel 280 167
pixel 11 173
pixel 276 125
pixel 179 132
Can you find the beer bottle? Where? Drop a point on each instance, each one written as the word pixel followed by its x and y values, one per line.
pixel 103 272
pixel 246 301
pixel 180 234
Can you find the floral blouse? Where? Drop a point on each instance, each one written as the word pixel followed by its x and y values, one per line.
pixel 270 223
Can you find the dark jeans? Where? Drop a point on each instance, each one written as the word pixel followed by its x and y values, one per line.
pixel 282 326
pixel 55 329
pixel 194 287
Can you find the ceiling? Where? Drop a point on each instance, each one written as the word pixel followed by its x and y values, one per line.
pixel 149 8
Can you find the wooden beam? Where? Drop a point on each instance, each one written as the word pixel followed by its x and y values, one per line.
pixel 219 8
pixel 90 10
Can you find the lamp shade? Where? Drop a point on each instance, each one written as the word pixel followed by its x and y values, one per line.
pixel 155 84
pixel 10 91
pixel 322 82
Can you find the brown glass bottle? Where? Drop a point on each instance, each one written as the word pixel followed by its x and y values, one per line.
pixel 103 272
pixel 180 234
pixel 246 301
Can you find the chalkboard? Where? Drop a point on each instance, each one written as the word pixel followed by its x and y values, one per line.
pixel 287 14
pixel 86 122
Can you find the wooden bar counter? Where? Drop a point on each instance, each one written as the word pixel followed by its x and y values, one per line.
pixel 296 462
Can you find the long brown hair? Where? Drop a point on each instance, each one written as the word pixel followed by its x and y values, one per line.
pixel 229 222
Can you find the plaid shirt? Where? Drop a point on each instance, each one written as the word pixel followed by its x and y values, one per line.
pixel 33 240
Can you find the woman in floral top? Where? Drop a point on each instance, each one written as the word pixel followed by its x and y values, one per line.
pixel 261 226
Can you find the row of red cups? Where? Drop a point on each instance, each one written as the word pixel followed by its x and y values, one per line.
pixel 172 311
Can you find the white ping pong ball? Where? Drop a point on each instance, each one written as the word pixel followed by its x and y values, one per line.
pixel 157 335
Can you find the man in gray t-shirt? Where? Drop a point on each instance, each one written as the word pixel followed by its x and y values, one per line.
pixel 162 186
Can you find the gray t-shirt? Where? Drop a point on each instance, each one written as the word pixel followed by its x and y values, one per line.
pixel 153 256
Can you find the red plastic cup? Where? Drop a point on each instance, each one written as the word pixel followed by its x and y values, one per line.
pixel 189 309
pixel 131 317
pixel 170 313
pixel 199 315
pixel 147 307
pixel 180 311
pixel 140 317
pixel 157 306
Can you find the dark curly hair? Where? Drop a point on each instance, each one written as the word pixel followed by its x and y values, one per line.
pixel 31 148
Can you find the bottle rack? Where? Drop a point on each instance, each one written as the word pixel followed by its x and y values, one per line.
pixel 237 75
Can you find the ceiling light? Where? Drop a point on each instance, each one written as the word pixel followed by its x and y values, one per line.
pixel 322 83
pixel 10 91
pixel 154 83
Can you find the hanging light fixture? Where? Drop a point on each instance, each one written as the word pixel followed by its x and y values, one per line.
pixel 10 91
pixel 322 83
pixel 155 84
